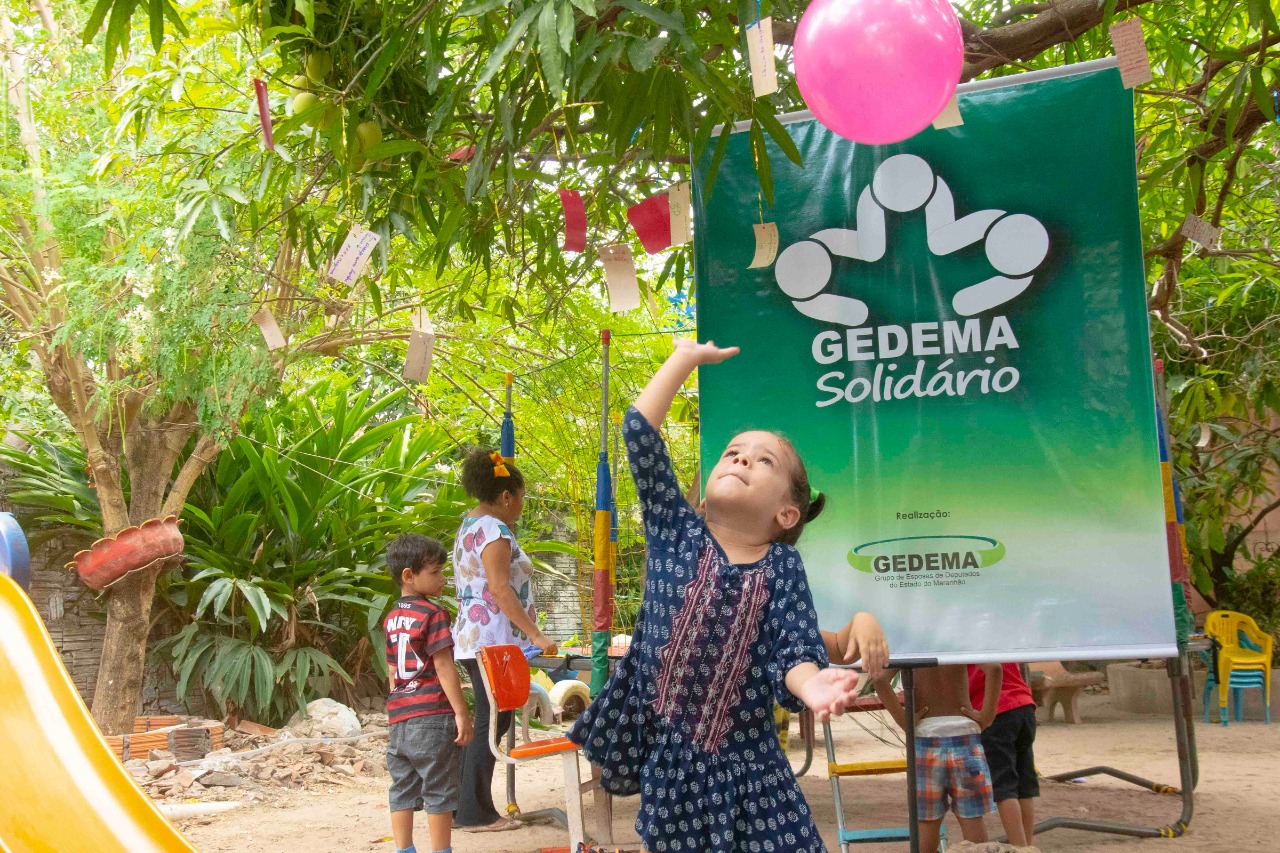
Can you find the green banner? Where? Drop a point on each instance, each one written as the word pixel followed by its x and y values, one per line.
pixel 954 335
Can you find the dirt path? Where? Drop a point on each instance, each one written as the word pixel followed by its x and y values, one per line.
pixel 1235 808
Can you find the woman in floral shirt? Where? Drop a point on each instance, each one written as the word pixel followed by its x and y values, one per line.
pixel 494 578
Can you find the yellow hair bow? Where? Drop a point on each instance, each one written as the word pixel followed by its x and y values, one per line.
pixel 499 465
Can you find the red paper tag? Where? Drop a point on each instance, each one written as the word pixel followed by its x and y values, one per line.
pixel 651 219
pixel 575 220
pixel 264 112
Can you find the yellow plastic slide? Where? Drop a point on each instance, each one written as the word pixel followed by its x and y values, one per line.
pixel 61 788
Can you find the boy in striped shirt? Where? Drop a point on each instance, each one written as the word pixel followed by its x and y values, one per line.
pixel 426 712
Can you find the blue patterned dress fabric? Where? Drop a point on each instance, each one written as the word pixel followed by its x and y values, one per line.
pixel 686 720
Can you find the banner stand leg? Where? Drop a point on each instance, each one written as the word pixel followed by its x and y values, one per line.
pixel 909 705
pixel 908 668
pixel 1188 770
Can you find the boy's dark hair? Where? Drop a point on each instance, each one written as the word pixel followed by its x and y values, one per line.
pixel 809 503
pixel 415 552
pixel 480 476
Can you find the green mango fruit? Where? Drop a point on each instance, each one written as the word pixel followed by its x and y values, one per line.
pixel 318 66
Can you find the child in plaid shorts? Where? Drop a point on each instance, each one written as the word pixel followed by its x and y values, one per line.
pixel 951 768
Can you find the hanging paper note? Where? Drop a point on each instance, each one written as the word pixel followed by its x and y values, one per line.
pixel 422 342
pixel 764 70
pixel 264 113
pixel 575 220
pixel 678 201
pixel 651 219
pixel 1131 51
pixel 766 244
pixel 950 115
pixel 1199 231
pixel 353 255
pixel 620 275
pixel 270 328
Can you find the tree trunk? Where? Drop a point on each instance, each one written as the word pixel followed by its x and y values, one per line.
pixel 117 697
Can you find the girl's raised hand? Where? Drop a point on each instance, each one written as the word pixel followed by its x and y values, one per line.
pixel 829 693
pixel 704 353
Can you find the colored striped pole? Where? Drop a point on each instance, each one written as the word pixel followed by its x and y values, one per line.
pixel 507 446
pixel 1174 523
pixel 602 576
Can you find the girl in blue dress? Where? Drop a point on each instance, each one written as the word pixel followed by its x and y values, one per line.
pixel 727 625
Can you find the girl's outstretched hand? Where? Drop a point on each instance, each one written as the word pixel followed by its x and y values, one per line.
pixel 704 353
pixel 830 692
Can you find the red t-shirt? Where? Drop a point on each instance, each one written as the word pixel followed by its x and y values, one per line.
pixel 416 629
pixel 1014 692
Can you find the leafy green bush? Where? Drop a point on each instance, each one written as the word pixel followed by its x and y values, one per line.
pixel 50 492
pixel 1256 593
pixel 285 587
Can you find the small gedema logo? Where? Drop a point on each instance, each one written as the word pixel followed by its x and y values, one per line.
pixel 926 554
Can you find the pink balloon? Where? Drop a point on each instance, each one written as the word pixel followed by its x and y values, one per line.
pixel 878 71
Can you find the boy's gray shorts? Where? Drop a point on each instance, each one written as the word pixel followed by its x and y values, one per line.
pixel 425 764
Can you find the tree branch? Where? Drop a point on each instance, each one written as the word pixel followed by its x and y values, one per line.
pixel 206 450
pixel 1229 551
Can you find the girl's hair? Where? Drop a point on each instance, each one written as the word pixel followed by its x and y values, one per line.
pixel 481 476
pixel 808 502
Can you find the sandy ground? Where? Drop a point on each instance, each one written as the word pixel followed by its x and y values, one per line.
pixel 1234 808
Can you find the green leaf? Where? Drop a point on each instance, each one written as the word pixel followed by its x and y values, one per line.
pixel 764 169
pixel 764 115
pixel 587 7
pixel 666 21
pixel 224 228
pixel 564 17
pixel 96 17
pixel 504 47
pixel 257 600
pixel 482 7
pixel 722 145
pixel 392 147
pixel 308 10
pixel 643 52
pixel 156 16
pixel 118 31
pixel 549 49
pixel 1261 95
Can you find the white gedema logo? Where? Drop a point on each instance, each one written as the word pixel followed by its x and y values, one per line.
pixel 1016 245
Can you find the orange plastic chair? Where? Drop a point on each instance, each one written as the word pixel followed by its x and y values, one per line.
pixel 505 673
pixel 1226 626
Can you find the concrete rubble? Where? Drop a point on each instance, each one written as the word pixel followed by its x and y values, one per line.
pixel 232 773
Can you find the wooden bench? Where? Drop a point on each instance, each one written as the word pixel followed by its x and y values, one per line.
pixel 1052 685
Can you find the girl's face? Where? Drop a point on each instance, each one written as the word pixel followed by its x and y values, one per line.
pixel 753 479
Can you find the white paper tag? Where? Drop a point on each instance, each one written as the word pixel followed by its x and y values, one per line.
pixel 620 275
pixel 766 244
pixel 1199 231
pixel 422 342
pixel 270 328
pixel 678 198
pixel 354 255
pixel 950 115
pixel 1131 50
pixel 764 68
